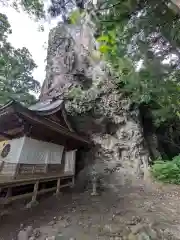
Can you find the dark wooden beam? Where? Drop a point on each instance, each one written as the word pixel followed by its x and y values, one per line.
pixel 6 135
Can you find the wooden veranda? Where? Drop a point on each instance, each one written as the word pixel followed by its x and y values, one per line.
pixel 45 122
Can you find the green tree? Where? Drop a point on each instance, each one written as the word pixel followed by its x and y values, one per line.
pixel 16 66
pixel 134 31
pixel 65 7
pixel 35 8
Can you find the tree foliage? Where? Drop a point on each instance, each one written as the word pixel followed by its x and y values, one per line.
pixel 65 7
pixel 16 66
pixel 35 8
pixel 146 32
pixel 141 41
pixel 133 32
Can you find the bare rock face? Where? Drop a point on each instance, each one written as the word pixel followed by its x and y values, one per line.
pixel 67 64
pixel 58 68
pixel 119 150
pixel 96 108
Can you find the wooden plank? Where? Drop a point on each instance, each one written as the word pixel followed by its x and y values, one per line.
pixel 55 168
pixel 66 185
pixel 8 169
pixel 14 198
pixel 44 180
pixel 4 181
pixel 47 190
pixel 26 169
pixel 28 195
pixel 31 169
pixel 27 114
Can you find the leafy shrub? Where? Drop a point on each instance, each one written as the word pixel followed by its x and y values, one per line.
pixel 167 171
pixel 176 160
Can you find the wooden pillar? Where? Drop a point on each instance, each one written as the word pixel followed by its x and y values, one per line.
pixel 33 169
pixel 58 187
pixel 34 201
pixel 63 160
pixel 9 192
pixel 1 166
pixel 35 192
pixel 18 166
pixel 73 181
pixel 46 167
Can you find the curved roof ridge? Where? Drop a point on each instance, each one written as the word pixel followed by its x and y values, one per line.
pixel 10 102
pixel 47 107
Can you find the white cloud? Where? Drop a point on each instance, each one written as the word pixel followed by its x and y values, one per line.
pixel 25 34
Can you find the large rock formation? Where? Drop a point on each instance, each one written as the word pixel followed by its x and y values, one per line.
pixel 96 108
pixel 67 62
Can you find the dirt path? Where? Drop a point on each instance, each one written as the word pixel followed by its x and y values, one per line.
pixel 108 216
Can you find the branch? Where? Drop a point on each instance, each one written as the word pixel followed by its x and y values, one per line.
pixel 106 8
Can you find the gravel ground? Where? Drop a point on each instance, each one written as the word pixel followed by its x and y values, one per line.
pixel 153 210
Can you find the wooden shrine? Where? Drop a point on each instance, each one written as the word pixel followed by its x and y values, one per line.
pixel 37 144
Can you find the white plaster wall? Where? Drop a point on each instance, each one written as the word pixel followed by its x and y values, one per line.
pixel 70 158
pixel 39 152
pixel 16 146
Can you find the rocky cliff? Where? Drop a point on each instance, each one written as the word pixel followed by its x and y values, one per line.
pixel 76 72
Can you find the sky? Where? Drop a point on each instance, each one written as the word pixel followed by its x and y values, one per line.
pixel 25 33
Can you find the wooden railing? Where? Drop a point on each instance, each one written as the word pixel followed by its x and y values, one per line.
pixel 12 190
pixel 17 170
